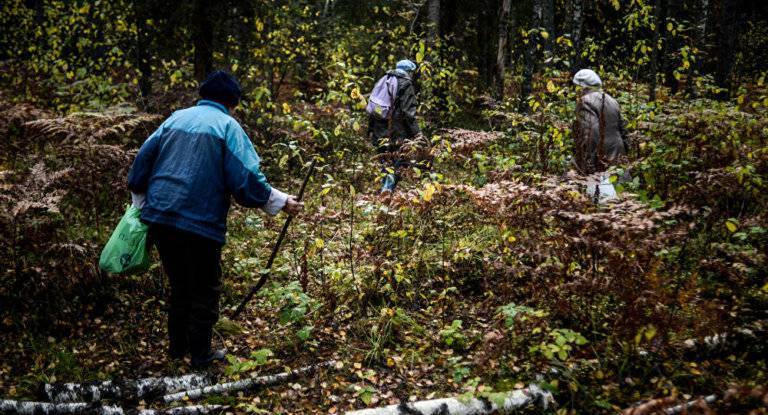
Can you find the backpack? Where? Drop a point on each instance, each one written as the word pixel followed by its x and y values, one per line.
pixel 382 97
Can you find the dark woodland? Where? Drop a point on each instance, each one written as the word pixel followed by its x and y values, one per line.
pixel 565 211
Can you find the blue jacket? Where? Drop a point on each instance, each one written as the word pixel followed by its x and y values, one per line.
pixel 191 165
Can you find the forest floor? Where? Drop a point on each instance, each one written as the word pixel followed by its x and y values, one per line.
pixel 479 275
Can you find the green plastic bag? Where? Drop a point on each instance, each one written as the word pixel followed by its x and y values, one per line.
pixel 126 250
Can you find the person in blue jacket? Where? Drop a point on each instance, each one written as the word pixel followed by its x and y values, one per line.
pixel 184 176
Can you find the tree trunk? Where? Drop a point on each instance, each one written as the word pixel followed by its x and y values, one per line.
pixel 202 38
pixel 449 16
pixel 672 44
pixel 484 404
pixel 327 7
pixel 576 23
pixel 726 45
pixel 657 22
pixel 484 66
pixel 548 23
pixel 699 42
pixel 433 20
pixel 501 49
pixel 529 56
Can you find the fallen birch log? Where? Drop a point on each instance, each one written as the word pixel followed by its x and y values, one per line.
pixel 135 389
pixel 8 406
pixel 662 405
pixel 185 410
pixel 246 384
pixel 735 338
pixel 493 403
pixel 11 407
pixel 683 408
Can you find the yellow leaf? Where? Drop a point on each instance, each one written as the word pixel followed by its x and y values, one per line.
pixel 670 27
pixel 286 108
pixel 545 35
pixel 429 191
pixel 731 225
pixel 551 87
pixel 650 333
pixel 234 67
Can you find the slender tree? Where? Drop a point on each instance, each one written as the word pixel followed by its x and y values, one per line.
pixel 547 16
pixel 672 43
pixel 529 55
pixel 485 40
pixel 576 22
pixel 433 18
pixel 699 41
pixel 654 64
pixel 501 49
pixel 728 31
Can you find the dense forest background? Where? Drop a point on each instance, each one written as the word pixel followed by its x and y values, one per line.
pixel 489 270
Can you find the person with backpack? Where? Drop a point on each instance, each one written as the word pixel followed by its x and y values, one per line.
pixel 392 119
pixel 600 139
pixel 183 178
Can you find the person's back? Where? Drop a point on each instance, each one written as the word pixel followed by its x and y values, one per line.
pixel 403 124
pixel 202 156
pixel 599 136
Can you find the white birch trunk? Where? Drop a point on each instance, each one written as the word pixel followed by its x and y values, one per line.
pixel 683 408
pixel 141 388
pixel 185 410
pixel 82 408
pixel 8 406
pixel 246 384
pixel 492 404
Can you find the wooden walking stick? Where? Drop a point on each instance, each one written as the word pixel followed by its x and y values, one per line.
pixel 268 269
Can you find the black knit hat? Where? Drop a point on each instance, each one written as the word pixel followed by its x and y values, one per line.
pixel 221 87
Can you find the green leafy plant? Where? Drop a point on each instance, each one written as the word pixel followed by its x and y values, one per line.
pixel 453 335
pixel 239 365
pixel 511 311
pixel 561 344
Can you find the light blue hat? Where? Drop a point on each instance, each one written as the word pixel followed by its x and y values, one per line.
pixel 405 65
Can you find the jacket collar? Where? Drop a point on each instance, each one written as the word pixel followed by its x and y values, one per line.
pixel 213 104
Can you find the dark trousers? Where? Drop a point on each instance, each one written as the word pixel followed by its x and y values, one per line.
pixel 192 264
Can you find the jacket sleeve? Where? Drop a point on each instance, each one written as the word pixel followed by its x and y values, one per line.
pixel 408 110
pixel 242 176
pixel 141 170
